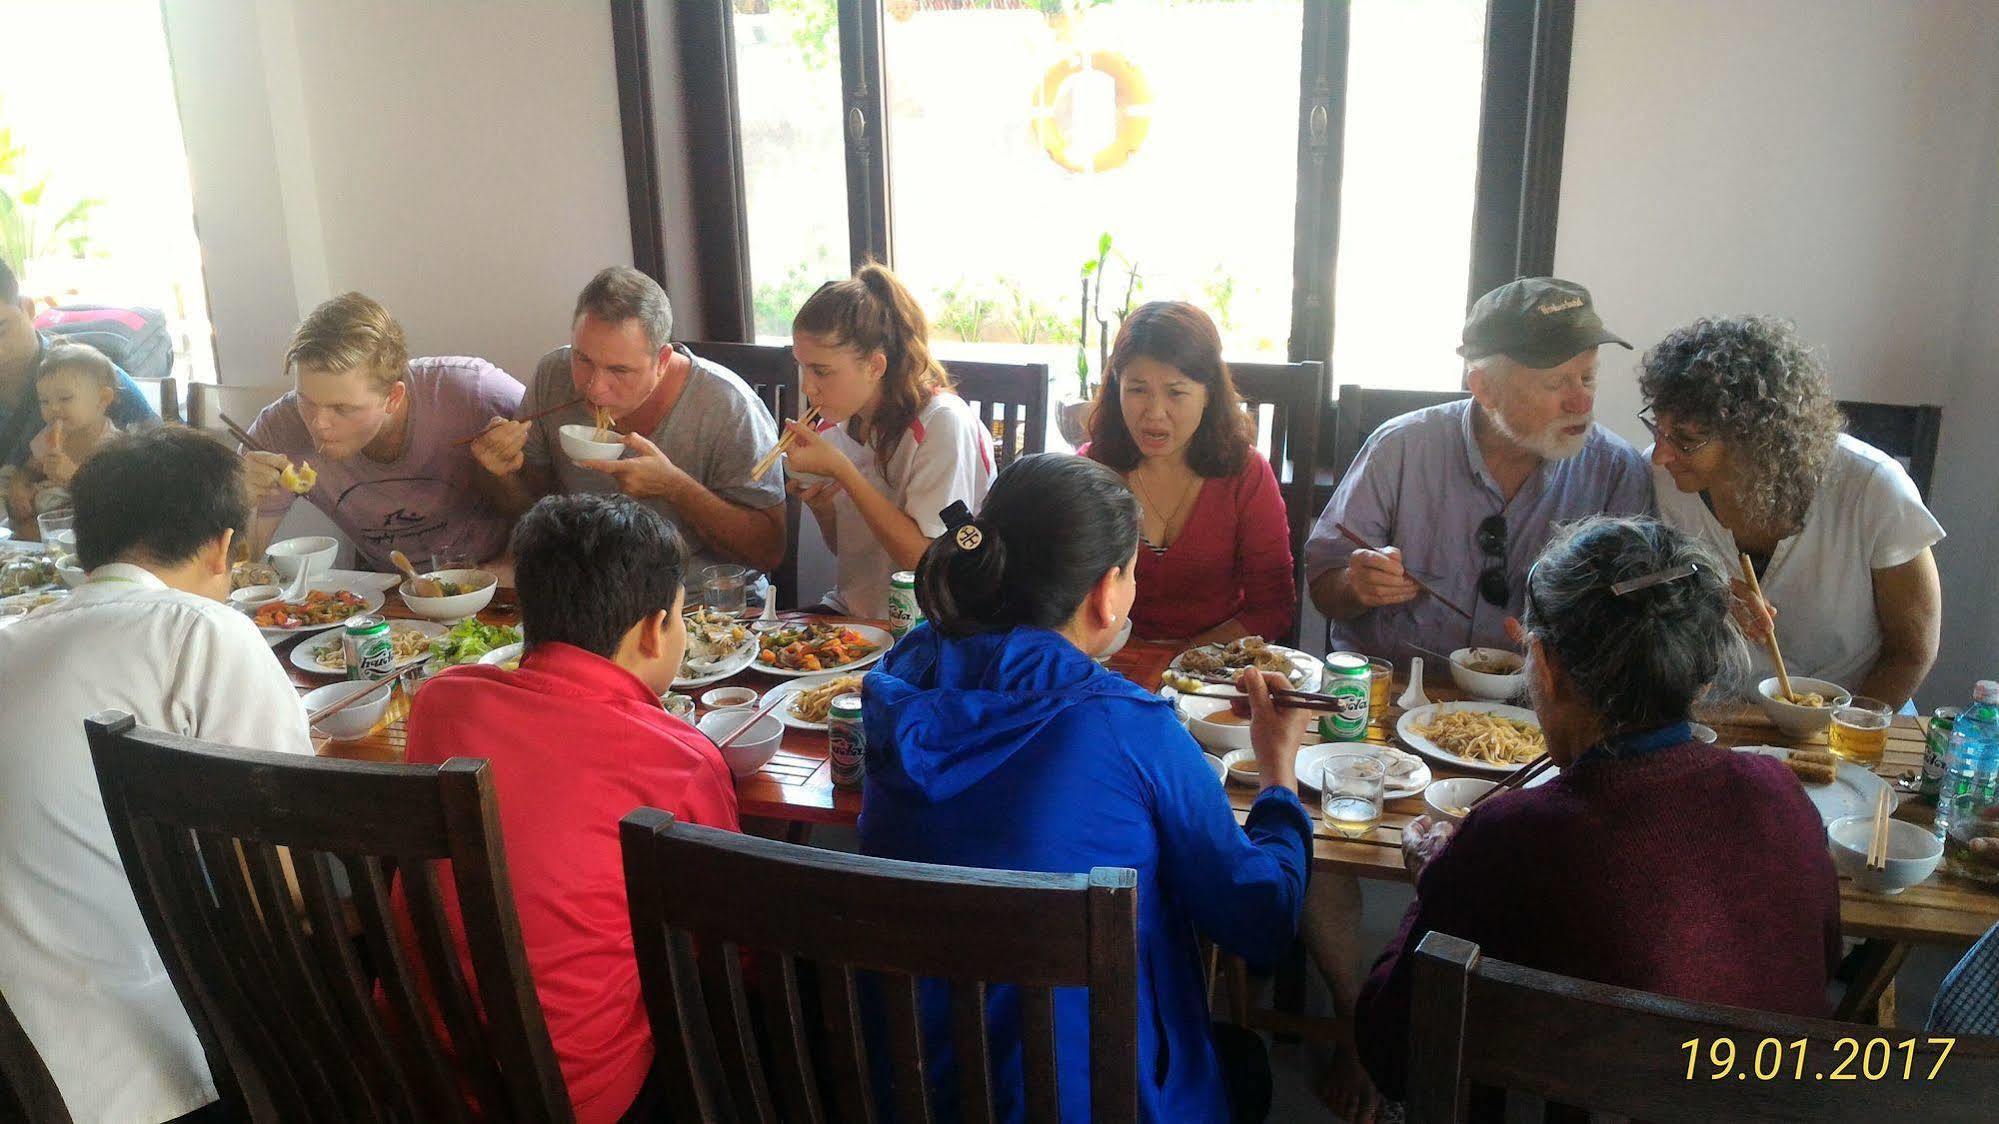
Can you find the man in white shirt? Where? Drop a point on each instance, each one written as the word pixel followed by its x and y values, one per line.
pixel 148 634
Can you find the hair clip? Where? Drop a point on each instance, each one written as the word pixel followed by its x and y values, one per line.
pixel 958 520
pixel 1657 577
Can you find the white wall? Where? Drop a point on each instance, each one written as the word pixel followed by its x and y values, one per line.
pixel 458 160
pixel 1831 161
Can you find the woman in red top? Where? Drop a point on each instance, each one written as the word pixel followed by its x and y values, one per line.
pixel 1215 560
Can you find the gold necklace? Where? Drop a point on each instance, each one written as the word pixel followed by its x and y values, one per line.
pixel 1166 521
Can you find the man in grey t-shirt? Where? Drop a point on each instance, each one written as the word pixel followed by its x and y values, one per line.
pixel 692 430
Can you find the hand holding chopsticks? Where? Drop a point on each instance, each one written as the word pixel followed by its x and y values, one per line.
pixel 1351 536
pixel 1776 653
pixel 1518 779
pixel 536 416
pixel 765 463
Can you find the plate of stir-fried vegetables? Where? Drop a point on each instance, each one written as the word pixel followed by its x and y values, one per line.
pixel 324 606
pixel 810 648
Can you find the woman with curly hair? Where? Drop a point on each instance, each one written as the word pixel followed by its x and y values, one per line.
pixel 1748 455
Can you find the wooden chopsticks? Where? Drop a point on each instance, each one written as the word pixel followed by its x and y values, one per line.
pixel 241 435
pixel 1776 653
pixel 536 416
pixel 1520 777
pixel 1362 543
pixel 762 466
pixel 770 703
pixel 1877 838
pixel 361 691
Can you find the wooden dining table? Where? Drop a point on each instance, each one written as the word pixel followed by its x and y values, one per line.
pixel 795 790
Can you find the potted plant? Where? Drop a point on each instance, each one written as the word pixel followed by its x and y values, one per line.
pixel 1073 415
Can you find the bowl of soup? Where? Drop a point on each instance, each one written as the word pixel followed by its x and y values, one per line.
pixel 1243 768
pixel 1214 724
pixel 1489 673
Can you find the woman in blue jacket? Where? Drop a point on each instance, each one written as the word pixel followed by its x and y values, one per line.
pixel 994 740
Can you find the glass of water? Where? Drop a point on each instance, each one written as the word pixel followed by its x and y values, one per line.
pixel 58 530
pixel 723 588
pixel 1350 793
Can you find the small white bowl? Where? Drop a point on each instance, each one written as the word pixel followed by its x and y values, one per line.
pixel 1203 712
pixel 504 654
pixel 1913 852
pixel 579 442
pixel 313 552
pixel 1242 767
pixel 354 721
pixel 253 597
pixel 1801 721
pixel 751 751
pixel 1487 685
pixel 1448 800
pixel 722 697
pixel 72 571
pixel 1215 763
pixel 1705 733
pixel 680 706
pixel 1116 646
pixel 456 607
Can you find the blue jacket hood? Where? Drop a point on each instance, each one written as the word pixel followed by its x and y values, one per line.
pixel 942 713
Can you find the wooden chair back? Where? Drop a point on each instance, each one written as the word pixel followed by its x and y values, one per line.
pixel 1287 399
pixel 869 930
pixel 1540 1039
pixel 207 402
pixel 1011 400
pixel 1907 433
pixel 163 395
pixel 772 372
pixel 28 1091
pixel 283 1001
pixel 1363 409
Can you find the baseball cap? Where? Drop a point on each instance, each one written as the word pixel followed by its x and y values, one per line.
pixel 1538 322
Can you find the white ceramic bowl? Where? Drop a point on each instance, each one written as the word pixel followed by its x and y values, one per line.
pixel 1215 763
pixel 313 552
pixel 72 571
pixel 1201 712
pixel 680 706
pixel 579 442
pixel 1801 721
pixel 1705 733
pixel 723 697
pixel 504 654
pixel 1913 852
pixel 1116 646
pixel 1446 798
pixel 251 597
pixel 354 721
pixel 1241 764
pixel 456 607
pixel 1488 685
pixel 757 745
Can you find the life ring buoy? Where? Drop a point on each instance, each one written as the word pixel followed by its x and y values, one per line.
pixel 1131 97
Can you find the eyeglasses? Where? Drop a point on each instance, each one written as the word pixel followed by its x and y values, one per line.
pixel 1683 447
pixel 1492 583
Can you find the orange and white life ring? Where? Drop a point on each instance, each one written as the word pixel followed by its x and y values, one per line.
pixel 1072 95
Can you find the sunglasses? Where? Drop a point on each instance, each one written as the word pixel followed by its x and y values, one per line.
pixel 1680 445
pixel 1492 583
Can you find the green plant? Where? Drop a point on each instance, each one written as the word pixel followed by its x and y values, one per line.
pixel 814 26
pixel 32 224
pixel 964 311
pixel 1032 321
pixel 1219 288
pixel 776 302
pixel 1092 310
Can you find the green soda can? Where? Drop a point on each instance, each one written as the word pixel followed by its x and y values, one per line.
pixel 903 611
pixel 1936 749
pixel 1349 680
pixel 370 650
pixel 846 746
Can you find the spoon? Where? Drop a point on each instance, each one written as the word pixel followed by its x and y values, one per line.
pixel 419 585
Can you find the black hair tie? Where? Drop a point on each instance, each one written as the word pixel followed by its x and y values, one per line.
pixel 962 527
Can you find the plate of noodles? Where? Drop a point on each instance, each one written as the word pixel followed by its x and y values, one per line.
pixel 807 700
pixel 1482 737
pixel 328 656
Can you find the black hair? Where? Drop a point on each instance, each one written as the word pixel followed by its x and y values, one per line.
pixel 589 567
pixel 10 287
pixel 81 358
pixel 1050 528
pixel 157 495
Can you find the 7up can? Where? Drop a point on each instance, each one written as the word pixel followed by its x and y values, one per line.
pixel 1349 680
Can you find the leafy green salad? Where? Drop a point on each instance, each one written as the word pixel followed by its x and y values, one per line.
pixel 469 639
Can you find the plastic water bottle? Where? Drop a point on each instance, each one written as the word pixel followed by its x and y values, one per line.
pixel 1970 786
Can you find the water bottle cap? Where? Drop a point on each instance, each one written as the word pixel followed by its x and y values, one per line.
pixel 1987 691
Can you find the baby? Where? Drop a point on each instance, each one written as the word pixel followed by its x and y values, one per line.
pixel 76 385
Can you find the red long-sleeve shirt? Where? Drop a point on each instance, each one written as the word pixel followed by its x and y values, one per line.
pixel 1231 561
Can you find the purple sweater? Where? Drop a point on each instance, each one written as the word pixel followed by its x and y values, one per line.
pixel 1693 871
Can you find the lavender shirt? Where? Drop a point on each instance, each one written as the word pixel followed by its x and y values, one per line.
pixel 1420 484
pixel 424 502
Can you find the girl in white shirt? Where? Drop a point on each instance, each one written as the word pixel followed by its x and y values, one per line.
pixel 893 446
pixel 1748 454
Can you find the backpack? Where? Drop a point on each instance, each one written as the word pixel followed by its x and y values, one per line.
pixel 136 339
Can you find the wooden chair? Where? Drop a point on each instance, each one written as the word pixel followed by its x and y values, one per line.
pixel 28 1091
pixel 285 1009
pixel 1363 409
pixel 163 395
pixel 1012 401
pixel 1540 1039
pixel 870 928
pixel 207 402
pixel 772 372
pixel 1287 399
pixel 1907 433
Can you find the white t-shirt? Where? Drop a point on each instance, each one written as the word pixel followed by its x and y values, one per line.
pixel 77 964
pixel 1867 516
pixel 946 455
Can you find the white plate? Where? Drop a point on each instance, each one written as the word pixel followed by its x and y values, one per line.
pixel 1852 792
pixel 734 665
pixel 1306 672
pixel 786 690
pixel 304 651
pixel 879 637
pixel 1421 716
pixel 371 602
pixel 1312 763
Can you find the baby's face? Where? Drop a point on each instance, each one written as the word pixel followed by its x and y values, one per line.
pixel 72 398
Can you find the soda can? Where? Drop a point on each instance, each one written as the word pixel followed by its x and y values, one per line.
pixel 370 650
pixel 846 745
pixel 1936 749
pixel 1349 680
pixel 903 611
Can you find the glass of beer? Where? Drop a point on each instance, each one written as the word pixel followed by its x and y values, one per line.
pixel 1350 793
pixel 1381 690
pixel 1860 731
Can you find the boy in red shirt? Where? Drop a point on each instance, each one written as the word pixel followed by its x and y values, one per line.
pixel 577 738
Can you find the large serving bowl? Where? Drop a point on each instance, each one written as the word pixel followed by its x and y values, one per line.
pixel 754 748
pixel 458 606
pixel 1801 721
pixel 1913 853
pixel 1489 685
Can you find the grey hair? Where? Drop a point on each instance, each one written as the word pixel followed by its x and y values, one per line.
pixel 621 293
pixel 1639 660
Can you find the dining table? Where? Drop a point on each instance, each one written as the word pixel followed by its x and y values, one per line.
pixel 794 792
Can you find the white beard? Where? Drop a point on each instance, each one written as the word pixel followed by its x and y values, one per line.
pixel 1550 443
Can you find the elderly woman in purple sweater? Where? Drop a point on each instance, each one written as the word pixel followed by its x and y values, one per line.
pixel 1652 861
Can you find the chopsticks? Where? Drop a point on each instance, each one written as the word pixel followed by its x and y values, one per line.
pixel 241 435
pixel 1877 839
pixel 1776 653
pixel 764 465
pixel 770 703
pixel 361 691
pixel 1520 777
pixel 536 416
pixel 1362 543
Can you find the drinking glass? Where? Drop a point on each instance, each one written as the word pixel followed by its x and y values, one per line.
pixel 1350 793
pixel 723 588
pixel 1860 731
pixel 1381 690
pixel 58 530
pixel 450 560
